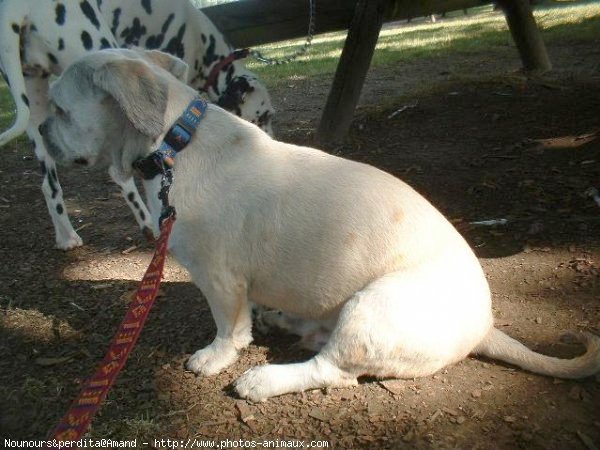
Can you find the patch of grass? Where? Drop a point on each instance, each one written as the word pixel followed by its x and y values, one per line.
pixel 7 118
pixel 7 107
pixel 482 30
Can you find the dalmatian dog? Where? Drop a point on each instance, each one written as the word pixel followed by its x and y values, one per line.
pixel 296 229
pixel 39 38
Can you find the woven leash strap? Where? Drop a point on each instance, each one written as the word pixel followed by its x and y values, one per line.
pixel 77 419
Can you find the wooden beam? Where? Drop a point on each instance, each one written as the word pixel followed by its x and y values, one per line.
pixel 352 70
pixel 526 35
pixel 255 22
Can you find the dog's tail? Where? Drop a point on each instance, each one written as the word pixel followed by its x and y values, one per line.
pixel 498 345
pixel 10 63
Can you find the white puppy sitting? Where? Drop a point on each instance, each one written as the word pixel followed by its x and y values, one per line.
pixel 295 229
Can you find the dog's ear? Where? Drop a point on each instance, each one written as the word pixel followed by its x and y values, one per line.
pixel 172 64
pixel 140 93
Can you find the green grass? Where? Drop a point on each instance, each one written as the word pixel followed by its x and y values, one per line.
pixel 6 106
pixel 482 30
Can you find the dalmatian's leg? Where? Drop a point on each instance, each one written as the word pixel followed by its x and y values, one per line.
pixel 134 201
pixel 66 237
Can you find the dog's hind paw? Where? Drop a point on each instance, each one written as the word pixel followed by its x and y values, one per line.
pixel 260 383
pixel 257 384
pixel 212 359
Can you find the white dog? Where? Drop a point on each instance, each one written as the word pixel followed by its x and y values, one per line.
pixel 42 37
pixel 296 229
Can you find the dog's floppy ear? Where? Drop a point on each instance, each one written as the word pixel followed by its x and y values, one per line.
pixel 140 93
pixel 172 64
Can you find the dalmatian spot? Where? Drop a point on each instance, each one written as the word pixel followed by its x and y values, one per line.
pixel 203 37
pixel 52 58
pixel 99 3
pixel 263 119
pixel 147 5
pixel 130 196
pixel 52 180
pixel 25 99
pixel 167 23
pixel 233 96
pixel 142 215
pixel 230 72
pixel 155 41
pixel 104 44
pixel 60 209
pixel 175 45
pixel 61 44
pixel 16 28
pixel 133 34
pixel 86 39
pixel 136 205
pixel 43 168
pixel 115 22
pixel 61 13
pixel 210 56
pixel 88 11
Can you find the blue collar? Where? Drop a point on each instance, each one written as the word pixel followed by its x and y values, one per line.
pixel 161 161
pixel 176 139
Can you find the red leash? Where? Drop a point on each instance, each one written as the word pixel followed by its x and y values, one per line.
pixel 76 421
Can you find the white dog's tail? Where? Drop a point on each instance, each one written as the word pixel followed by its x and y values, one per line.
pixel 498 345
pixel 10 62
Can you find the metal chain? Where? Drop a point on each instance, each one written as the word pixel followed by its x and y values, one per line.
pixel 311 32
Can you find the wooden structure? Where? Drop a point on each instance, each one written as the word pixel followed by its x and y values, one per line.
pixel 255 22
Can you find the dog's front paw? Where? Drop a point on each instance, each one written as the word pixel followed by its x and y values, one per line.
pixel 212 359
pixel 68 243
pixel 260 383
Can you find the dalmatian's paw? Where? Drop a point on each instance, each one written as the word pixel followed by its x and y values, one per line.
pixel 69 243
pixel 212 359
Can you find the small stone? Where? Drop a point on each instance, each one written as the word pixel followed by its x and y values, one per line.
pixel 476 393
pixel 245 411
pixel 319 414
pixel 393 386
pixel 408 437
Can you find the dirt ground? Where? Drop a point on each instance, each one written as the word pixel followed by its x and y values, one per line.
pixel 479 140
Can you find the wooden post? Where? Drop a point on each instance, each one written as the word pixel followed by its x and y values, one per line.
pixel 526 35
pixel 352 70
